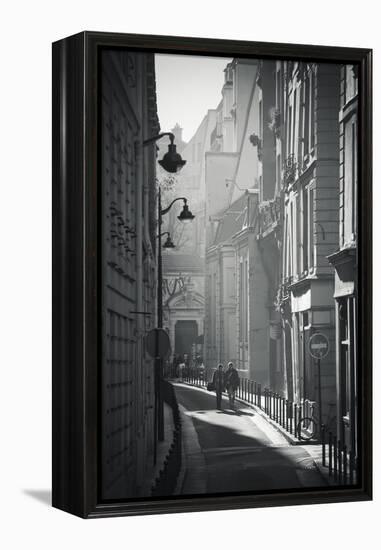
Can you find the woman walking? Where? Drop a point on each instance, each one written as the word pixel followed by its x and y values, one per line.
pixel 219 384
pixel 232 383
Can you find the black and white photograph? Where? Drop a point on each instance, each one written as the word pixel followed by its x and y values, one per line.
pixel 229 275
pixel 189 235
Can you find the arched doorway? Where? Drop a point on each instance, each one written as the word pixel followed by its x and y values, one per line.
pixel 186 333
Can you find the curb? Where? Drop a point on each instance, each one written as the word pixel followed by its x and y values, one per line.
pixel 198 485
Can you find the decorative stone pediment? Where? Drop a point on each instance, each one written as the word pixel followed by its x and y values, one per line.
pixel 186 300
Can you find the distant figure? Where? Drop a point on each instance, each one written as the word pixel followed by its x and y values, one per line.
pixel 219 384
pixel 232 383
pixel 200 367
pixel 186 362
pixel 175 365
pixel 181 366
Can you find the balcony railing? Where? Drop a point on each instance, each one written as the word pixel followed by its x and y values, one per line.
pixel 290 170
pixel 269 215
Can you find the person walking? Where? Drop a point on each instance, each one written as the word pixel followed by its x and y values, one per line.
pixel 231 383
pixel 219 384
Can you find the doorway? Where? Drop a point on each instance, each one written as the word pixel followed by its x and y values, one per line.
pixel 185 335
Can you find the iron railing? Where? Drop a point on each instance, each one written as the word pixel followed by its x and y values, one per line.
pixel 340 461
pixel 287 414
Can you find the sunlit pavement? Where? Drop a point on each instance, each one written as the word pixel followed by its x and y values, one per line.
pixel 227 451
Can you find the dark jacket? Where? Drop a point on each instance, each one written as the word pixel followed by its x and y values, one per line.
pixel 219 381
pixel 232 379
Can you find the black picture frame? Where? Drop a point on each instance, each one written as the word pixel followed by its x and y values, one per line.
pixel 76 271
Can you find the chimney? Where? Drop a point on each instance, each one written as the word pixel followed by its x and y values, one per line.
pixel 178 133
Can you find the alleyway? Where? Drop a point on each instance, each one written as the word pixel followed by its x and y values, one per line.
pixel 227 451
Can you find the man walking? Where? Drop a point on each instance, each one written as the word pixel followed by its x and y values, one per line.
pixel 231 383
pixel 219 384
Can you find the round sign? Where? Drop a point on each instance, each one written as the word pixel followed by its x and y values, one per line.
pixel 157 343
pixel 318 345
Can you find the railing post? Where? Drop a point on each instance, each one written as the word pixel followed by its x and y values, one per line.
pixel 299 417
pixel 351 467
pixel 276 407
pixel 340 460
pixel 260 396
pixel 287 414
pixel 345 464
pixel 330 453
pixel 295 423
pixel 323 444
pixel 335 457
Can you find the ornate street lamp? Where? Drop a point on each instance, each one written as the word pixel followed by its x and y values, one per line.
pixel 172 161
pixel 169 244
pixel 185 216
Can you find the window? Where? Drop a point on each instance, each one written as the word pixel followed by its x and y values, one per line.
pixel 300 113
pixel 298 234
pixel 350 83
pixel 243 298
pixel 292 237
pixel 305 216
pixel 293 129
pixel 286 270
pixel 311 248
pixel 260 120
pixel 307 121
pixel 350 181
pixel 312 109
pixel 354 179
pixel 344 357
pixel 289 127
pixel 278 90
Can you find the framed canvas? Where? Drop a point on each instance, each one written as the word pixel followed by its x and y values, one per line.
pixel 211 274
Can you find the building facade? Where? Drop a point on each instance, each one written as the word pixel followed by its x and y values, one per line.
pixel 231 169
pixel 309 109
pixel 129 116
pixel 344 261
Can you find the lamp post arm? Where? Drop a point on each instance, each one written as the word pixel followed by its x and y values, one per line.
pixel 166 210
pixel 159 136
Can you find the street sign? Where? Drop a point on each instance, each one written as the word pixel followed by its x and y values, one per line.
pixel 157 343
pixel 318 345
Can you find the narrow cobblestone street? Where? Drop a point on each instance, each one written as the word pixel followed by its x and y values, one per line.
pixel 237 450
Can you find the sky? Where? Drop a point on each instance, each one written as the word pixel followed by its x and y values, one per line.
pixel 187 86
